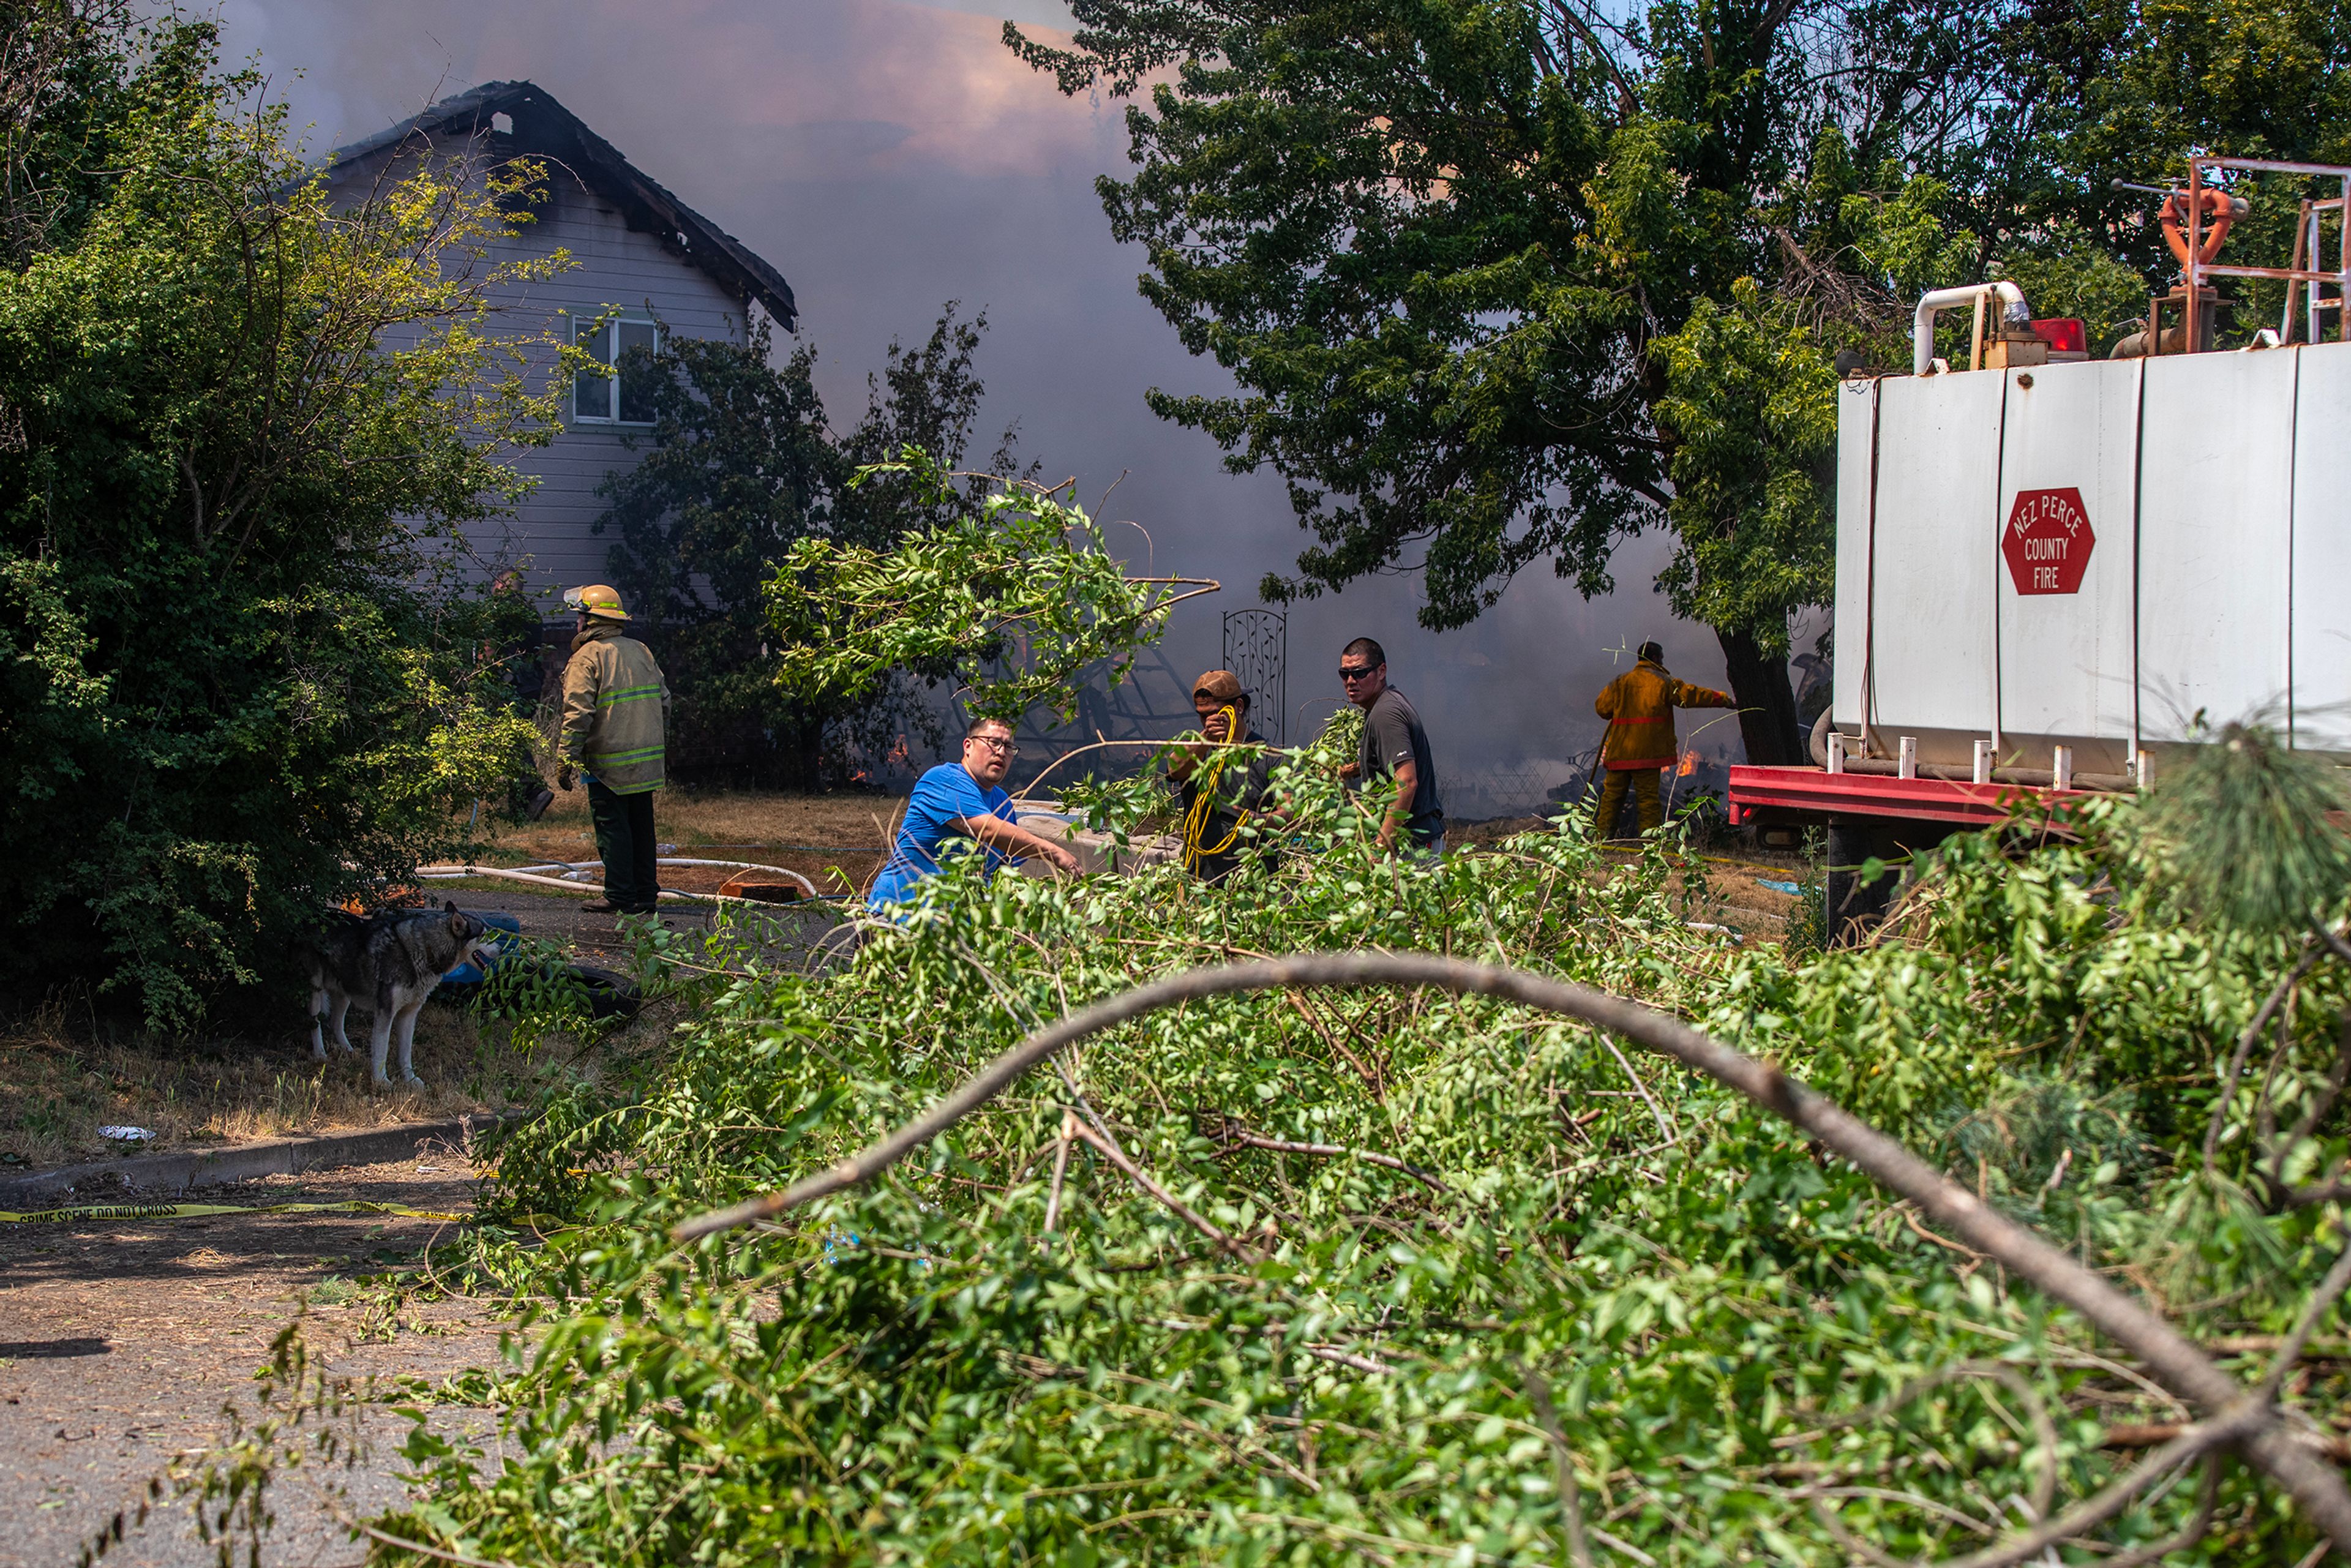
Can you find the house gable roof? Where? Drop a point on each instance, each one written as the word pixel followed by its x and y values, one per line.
pixel 543 127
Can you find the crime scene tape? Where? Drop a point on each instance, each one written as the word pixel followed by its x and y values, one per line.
pixel 203 1210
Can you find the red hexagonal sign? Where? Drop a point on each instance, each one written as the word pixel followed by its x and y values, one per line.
pixel 2047 542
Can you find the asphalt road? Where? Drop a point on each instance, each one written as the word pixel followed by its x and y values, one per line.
pixel 124 1346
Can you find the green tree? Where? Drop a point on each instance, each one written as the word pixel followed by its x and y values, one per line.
pixel 745 465
pixel 1439 243
pixel 1470 261
pixel 1751 401
pixel 239 680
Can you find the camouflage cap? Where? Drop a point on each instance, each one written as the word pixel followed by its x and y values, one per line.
pixel 1222 684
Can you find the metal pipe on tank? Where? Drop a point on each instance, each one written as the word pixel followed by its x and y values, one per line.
pixel 1922 325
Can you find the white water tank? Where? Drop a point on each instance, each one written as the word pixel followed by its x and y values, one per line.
pixel 2090 554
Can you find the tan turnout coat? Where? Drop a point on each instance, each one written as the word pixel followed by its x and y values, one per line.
pixel 615 710
pixel 1639 707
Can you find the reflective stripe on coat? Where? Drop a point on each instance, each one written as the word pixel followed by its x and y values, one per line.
pixel 1639 707
pixel 615 710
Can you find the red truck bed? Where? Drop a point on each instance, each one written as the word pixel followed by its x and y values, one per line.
pixel 1815 791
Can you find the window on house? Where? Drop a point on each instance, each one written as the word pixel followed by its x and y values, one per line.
pixel 622 395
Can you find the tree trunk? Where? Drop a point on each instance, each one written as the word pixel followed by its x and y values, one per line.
pixel 1767 716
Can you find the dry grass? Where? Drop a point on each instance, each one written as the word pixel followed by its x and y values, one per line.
pixel 725 819
pixel 816 835
pixel 60 1084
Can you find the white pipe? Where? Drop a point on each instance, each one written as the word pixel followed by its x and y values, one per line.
pixel 456 872
pixel 1922 325
pixel 452 873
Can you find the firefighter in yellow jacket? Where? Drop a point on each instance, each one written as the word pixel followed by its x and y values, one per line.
pixel 615 729
pixel 1639 707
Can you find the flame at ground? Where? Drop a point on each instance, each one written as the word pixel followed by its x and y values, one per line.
pixel 1690 764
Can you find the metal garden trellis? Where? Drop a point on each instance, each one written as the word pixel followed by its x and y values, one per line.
pixel 1256 651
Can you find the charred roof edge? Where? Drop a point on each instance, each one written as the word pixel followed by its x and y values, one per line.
pixel 542 124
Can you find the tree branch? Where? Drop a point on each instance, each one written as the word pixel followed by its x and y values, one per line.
pixel 1570 1496
pixel 195 490
pixel 2329 1289
pixel 2320 1105
pixel 2044 1430
pixel 2310 956
pixel 2170 1357
pixel 1283 1146
pixel 1117 1156
pixel 1627 100
pixel 2089 1514
pixel 1060 1168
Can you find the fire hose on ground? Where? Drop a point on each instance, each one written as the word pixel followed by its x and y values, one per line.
pixel 536 873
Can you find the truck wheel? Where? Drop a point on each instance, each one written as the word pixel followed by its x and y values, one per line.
pixel 1854 910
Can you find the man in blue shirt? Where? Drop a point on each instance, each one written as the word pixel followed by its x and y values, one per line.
pixel 962 800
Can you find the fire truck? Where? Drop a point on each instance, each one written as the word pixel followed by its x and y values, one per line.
pixel 2054 570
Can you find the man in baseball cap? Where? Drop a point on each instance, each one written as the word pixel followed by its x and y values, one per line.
pixel 1220 795
pixel 615 735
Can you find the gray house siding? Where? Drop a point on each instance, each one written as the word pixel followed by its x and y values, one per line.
pixel 614 269
pixel 634 248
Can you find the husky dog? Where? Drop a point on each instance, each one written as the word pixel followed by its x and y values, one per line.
pixel 389 963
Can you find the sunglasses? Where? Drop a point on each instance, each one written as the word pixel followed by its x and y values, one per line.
pixel 1357 674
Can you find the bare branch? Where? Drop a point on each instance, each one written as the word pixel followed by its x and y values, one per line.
pixel 1183 1212
pixel 1284 1146
pixel 1570 1496
pixel 1627 101
pixel 1060 1168
pixel 1338 1357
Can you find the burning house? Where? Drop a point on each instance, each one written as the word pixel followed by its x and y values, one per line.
pixel 645 263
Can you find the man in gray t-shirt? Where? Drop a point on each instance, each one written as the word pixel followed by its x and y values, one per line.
pixel 1394 752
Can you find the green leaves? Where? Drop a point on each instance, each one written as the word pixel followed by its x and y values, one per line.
pixel 1020 600
pixel 240 678
pixel 1752 403
pixel 2243 836
pixel 921 1371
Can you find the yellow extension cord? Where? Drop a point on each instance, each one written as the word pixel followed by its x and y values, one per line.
pixel 1204 806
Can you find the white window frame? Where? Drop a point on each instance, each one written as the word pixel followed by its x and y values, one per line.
pixel 585 329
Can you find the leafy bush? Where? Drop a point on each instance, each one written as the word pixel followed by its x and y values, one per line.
pixel 1476 1262
pixel 233 686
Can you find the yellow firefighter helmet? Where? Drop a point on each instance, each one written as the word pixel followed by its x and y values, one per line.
pixel 595 598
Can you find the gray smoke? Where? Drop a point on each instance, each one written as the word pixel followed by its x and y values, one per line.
pixel 888 157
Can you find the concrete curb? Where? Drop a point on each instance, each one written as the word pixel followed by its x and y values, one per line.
pixel 279 1156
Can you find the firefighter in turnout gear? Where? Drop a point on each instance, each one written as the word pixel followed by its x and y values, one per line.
pixel 615 729
pixel 1639 707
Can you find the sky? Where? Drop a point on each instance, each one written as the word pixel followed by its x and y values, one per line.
pixel 888 156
